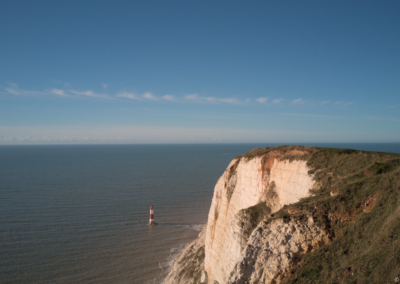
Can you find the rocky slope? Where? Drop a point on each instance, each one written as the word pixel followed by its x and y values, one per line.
pixel 275 209
pixel 189 265
pixel 273 248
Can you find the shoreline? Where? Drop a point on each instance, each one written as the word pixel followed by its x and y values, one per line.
pixel 175 252
pixel 190 249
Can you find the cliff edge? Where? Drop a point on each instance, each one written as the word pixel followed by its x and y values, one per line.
pixel 283 214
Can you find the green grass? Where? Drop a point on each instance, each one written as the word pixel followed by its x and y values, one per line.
pixel 257 152
pixel 251 217
pixel 365 247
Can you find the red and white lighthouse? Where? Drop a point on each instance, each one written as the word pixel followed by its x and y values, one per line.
pixel 151 215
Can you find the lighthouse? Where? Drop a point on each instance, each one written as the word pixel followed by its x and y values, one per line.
pixel 151 222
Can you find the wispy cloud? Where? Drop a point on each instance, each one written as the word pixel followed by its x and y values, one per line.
pixel 150 96
pixel 14 90
pixel 169 98
pixel 90 93
pixel 134 96
pixel 200 99
pixel 58 92
pixel 343 103
pixel 382 118
pixel 310 115
pixel 298 101
pixel 262 100
pixel 230 101
pixel 128 95
pixel 210 99
pixel 191 97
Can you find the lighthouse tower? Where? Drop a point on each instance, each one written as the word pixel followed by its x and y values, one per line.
pixel 151 215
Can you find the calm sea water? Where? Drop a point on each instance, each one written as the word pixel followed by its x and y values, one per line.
pixel 79 214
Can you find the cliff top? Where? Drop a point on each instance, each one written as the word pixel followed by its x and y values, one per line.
pixel 357 202
pixel 291 149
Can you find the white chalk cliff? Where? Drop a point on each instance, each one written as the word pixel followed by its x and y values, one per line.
pixel 264 254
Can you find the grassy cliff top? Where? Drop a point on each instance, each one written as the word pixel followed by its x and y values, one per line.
pixel 358 203
pixel 258 152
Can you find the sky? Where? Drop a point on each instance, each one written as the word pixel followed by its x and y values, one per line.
pixel 107 72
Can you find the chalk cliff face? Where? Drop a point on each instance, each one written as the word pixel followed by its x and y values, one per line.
pixel 246 182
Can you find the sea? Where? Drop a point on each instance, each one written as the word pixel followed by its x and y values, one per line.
pixel 80 213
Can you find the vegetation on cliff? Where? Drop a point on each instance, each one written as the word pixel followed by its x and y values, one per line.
pixel 251 217
pixel 358 204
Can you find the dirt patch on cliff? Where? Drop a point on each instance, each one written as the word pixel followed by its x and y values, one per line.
pixel 284 150
pixel 270 155
pixel 367 173
pixel 371 201
pixel 334 191
pixel 267 162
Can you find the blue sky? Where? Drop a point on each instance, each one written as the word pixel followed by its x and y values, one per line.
pixel 199 71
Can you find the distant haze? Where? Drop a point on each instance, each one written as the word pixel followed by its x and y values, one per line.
pixel 153 135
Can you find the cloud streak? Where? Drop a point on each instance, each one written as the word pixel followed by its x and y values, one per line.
pixel 128 95
pixel 202 99
pixel 298 101
pixel 13 89
pixel 90 93
pixel 134 96
pixel 262 100
pixel 169 98
pixel 58 92
pixel 150 96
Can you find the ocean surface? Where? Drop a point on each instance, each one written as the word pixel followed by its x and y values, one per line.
pixel 79 213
